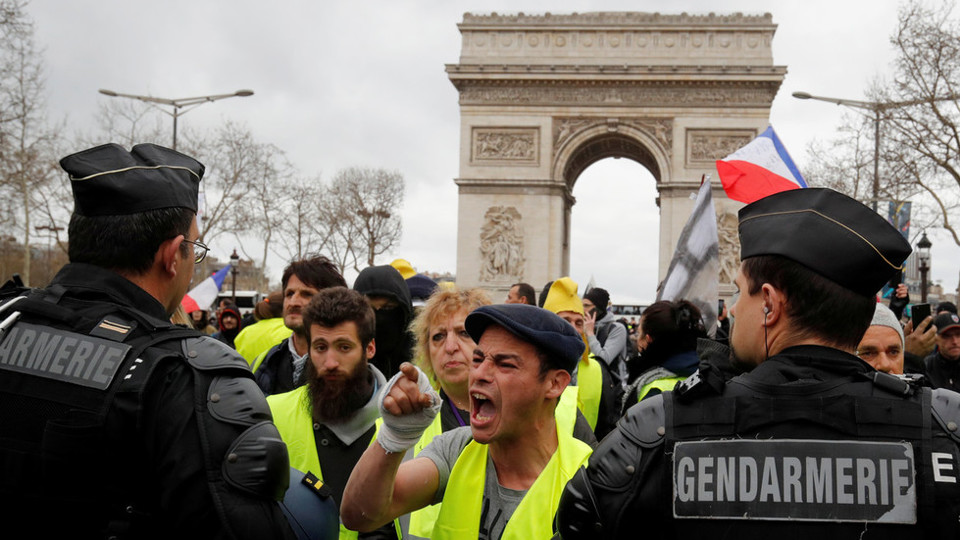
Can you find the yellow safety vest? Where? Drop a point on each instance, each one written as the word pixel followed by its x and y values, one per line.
pixel 533 519
pixel 291 414
pixel 664 385
pixel 590 382
pixel 422 521
pixel 260 337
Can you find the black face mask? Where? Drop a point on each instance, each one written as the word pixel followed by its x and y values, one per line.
pixel 390 329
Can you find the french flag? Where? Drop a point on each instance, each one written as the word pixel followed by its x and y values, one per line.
pixel 203 295
pixel 762 167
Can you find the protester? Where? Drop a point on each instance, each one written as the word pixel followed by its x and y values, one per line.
pixel 607 338
pixel 882 344
pixel 330 421
pixel 812 262
pixel 521 366
pixel 228 324
pixel 943 366
pixel 444 353
pixel 201 322
pixel 269 329
pixel 669 331
pixel 130 445
pixel 592 380
pixel 389 295
pixel 280 369
pixel 521 293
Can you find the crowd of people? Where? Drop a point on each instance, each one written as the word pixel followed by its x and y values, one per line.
pixel 402 407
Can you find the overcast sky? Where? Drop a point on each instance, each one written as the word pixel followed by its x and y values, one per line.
pixel 362 83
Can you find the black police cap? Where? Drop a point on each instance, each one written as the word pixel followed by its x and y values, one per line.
pixel 827 232
pixel 108 181
pixel 537 326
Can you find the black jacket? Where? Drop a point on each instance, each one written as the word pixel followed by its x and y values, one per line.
pixel 806 403
pixel 153 466
pixel 942 373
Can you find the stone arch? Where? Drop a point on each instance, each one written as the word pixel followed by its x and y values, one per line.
pixel 544 96
pixel 602 138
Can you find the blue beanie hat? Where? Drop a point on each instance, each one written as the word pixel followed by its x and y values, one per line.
pixel 542 329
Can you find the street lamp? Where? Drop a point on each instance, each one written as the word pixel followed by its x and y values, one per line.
pixel 234 261
pixel 877 107
pixel 923 262
pixel 186 104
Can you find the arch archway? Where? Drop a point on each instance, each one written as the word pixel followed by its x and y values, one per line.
pixel 544 96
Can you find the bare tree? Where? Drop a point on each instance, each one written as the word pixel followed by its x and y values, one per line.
pixel 924 115
pixel 366 204
pixel 302 231
pixel 26 138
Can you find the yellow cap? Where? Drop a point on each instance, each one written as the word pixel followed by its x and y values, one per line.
pixel 562 296
pixel 404 267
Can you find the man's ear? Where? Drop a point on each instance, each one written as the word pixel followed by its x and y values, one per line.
pixel 558 380
pixel 774 304
pixel 169 255
pixel 371 348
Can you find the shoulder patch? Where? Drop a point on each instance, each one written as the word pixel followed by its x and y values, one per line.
pixel 114 328
pixel 207 354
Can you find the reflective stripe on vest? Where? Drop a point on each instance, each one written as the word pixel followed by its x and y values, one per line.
pixel 533 518
pixel 291 414
pixel 590 382
pixel 664 385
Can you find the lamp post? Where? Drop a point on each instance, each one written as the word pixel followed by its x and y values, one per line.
pixel 923 264
pixel 877 107
pixel 234 261
pixel 180 106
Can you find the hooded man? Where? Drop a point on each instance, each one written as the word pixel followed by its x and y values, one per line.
pixel 228 323
pixel 389 296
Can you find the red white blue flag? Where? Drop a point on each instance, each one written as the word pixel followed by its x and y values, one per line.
pixel 203 295
pixel 762 167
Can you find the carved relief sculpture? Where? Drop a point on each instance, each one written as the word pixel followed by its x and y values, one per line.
pixel 505 144
pixel 729 240
pixel 501 245
pixel 707 146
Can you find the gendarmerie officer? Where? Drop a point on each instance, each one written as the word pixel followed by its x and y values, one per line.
pixel 113 422
pixel 812 442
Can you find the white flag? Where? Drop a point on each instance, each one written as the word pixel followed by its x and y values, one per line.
pixel 694 270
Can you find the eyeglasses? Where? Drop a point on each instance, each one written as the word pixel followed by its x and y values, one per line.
pixel 199 251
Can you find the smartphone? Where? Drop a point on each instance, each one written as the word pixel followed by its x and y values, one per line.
pixel 918 313
pixel 720 307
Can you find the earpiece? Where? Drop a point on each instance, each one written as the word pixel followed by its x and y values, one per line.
pixel 766 309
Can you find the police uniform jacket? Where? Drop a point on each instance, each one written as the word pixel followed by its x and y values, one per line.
pixel 764 445
pixel 154 445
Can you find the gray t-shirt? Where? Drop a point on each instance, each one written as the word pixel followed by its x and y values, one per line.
pixel 499 502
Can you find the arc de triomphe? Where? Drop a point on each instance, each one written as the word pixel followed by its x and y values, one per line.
pixel 542 97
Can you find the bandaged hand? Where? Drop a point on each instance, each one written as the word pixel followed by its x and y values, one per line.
pixel 408 404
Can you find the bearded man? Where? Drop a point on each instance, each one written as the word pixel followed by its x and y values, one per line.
pixel 329 422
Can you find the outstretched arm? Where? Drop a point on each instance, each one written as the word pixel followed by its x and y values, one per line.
pixel 380 489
